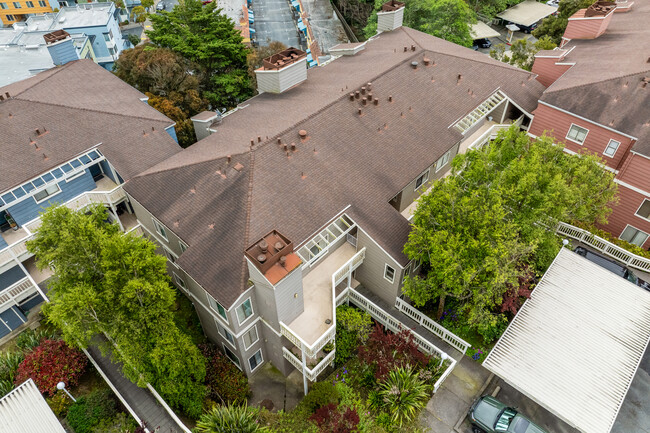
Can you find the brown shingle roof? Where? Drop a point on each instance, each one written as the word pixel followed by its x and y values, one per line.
pixel 605 84
pixel 81 105
pixel 346 159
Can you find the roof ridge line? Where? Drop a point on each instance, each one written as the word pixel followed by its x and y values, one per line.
pixel 97 111
pixel 37 82
pixel 547 91
pixel 151 173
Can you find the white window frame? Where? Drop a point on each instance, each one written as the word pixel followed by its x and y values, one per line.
pixel 170 255
pixel 159 226
pixel 47 197
pixel 226 350
pixel 227 332
pixel 179 281
pixel 639 230
pixel 259 364
pixel 418 263
pixel 407 270
pixel 247 318
pixel 182 245
pixel 425 178
pixel 640 206
pixel 443 161
pixel 257 337
pixel 212 301
pixel 75 176
pixel 615 149
pixel 10 17
pixel 576 141
pixel 386 266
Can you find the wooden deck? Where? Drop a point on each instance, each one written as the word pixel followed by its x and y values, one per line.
pixel 140 400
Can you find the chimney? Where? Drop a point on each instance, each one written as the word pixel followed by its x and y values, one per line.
pixel 205 123
pixel 391 16
pixel 549 65
pixel 282 71
pixel 591 22
pixel 60 46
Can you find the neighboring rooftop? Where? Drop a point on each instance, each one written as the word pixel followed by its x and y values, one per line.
pixel 18 62
pixel 24 410
pixel 342 159
pixel 576 344
pixel 83 15
pixel 78 114
pixel 609 81
pixel 527 12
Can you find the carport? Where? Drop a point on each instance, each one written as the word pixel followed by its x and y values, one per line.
pixel 576 344
pixel 480 30
pixel 527 13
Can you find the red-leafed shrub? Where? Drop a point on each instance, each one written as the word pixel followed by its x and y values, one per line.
pixel 332 419
pixel 385 351
pixel 52 362
pixel 224 381
pixel 515 296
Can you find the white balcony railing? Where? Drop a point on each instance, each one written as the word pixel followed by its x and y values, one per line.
pixel 343 273
pixel 18 249
pixel 311 373
pixel 604 246
pixel 488 135
pixel 15 290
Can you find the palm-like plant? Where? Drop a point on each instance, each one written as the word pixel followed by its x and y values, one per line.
pixel 404 394
pixel 229 418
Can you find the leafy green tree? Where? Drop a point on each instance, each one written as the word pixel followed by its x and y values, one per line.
pixel 203 35
pixel 553 26
pixel 495 212
pixel 113 284
pixel 256 55
pixel 230 418
pixel 134 39
pixel 522 52
pixel 404 394
pixel 139 14
pixel 146 3
pixel 446 19
pixel 353 327
pixel 490 8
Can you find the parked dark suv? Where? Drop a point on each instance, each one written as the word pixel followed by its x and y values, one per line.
pixel 489 415
pixel 612 266
pixel 481 43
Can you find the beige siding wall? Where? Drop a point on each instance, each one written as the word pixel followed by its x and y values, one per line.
pixel 371 272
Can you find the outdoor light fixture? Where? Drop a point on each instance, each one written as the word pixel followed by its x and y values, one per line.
pixel 61 386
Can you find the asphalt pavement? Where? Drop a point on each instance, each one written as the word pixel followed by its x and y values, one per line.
pixel 274 22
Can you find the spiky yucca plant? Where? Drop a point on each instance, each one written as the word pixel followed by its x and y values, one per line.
pixel 404 394
pixel 229 418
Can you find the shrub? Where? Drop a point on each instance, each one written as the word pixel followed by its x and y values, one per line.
pixel 59 403
pixel 384 420
pixel 51 362
pixel 385 351
pixel 120 423
pixel 6 386
pixel 352 328
pixel 321 394
pixel 9 363
pixel 90 410
pixel 404 394
pixel 228 419
pixel 225 382
pixel 30 338
pixel 331 419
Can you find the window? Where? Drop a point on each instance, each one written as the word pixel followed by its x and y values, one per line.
pixel 179 281
pixel 443 160
pixel 644 209
pixel 244 311
pixel 42 3
pixel 612 147
pixel 389 273
pixel 251 337
pixel 160 229
pixel 255 360
pixel 47 192
pixel 17 5
pixel 4 6
pixel 407 270
pixel 30 4
pixel 111 51
pixel 634 236
pixel 226 334
pixel 417 266
pixel 217 307
pixel 11 18
pixel 422 179
pixel 107 37
pixel 231 356
pixel 169 255
pixel 183 246
pixel 577 134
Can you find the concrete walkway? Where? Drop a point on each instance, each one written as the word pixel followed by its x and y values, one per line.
pixel 140 400
pixel 268 385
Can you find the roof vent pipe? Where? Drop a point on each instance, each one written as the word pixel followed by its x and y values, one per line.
pixel 264 246
pixel 364 100
pixel 261 258
pixel 279 245
pixel 414 65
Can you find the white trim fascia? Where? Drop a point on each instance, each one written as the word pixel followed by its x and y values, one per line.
pixel 633 188
pixel 238 297
pixel 311 236
pixel 558 49
pixel 640 154
pixel 76 175
pixel 268 325
pixel 380 247
pixel 602 17
pixel 462 116
pixel 587 120
pixel 47 197
pixel 564 64
pixel 518 106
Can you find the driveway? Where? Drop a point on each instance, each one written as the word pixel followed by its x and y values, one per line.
pixel 274 22
pixel 446 411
